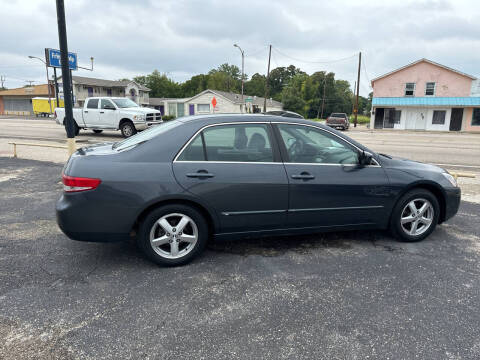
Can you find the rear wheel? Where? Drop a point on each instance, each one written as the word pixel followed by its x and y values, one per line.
pixel 97 131
pixel 415 216
pixel 128 129
pixel 173 235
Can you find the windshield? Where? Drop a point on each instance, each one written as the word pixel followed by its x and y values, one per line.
pixel 124 103
pixel 338 115
pixel 145 135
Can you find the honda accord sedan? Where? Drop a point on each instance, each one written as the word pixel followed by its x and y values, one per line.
pixel 178 184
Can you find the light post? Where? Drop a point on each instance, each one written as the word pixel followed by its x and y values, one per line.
pixel 48 81
pixel 243 62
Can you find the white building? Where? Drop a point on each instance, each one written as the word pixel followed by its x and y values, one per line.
pixel 202 104
pixel 84 87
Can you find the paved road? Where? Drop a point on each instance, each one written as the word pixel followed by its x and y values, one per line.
pixel 443 148
pixel 351 295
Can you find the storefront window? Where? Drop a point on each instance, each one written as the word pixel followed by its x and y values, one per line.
pixel 476 117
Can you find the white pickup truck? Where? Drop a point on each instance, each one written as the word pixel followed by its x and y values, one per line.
pixel 111 113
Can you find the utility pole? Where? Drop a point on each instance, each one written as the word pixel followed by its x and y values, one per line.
pixel 353 98
pixel 358 89
pixel 268 78
pixel 323 99
pixel 56 85
pixel 30 82
pixel 243 58
pixel 2 79
pixel 67 90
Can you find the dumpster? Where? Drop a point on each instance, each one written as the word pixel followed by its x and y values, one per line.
pixel 42 107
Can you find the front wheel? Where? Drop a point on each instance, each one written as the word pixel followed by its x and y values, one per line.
pixel 128 129
pixel 173 235
pixel 415 216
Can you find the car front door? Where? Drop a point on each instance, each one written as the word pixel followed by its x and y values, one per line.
pixel 327 186
pixel 236 169
pixel 91 113
pixel 107 114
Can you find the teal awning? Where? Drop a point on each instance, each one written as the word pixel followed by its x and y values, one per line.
pixel 426 101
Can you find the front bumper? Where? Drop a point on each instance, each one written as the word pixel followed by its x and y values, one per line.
pixel 145 124
pixel 452 202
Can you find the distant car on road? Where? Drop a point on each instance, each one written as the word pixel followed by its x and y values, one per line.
pixel 177 184
pixel 111 113
pixel 338 121
pixel 285 113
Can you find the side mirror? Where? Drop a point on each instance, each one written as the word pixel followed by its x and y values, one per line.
pixel 365 158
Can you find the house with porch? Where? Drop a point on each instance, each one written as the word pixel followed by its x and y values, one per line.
pixel 226 103
pixel 425 95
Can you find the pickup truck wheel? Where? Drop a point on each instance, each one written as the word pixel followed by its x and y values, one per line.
pixel 76 129
pixel 128 129
pixel 96 131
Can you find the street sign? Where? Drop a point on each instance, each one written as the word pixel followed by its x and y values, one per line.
pixel 214 102
pixel 248 99
pixel 52 57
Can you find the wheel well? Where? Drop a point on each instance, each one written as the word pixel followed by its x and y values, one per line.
pixel 436 192
pixel 193 204
pixel 124 120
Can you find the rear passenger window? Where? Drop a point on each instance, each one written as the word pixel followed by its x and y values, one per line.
pixel 92 104
pixel 194 151
pixel 230 143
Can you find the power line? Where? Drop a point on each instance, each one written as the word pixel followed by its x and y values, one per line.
pixel 366 73
pixel 256 52
pixel 315 62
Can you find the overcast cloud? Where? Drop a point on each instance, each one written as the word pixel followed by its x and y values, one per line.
pixel 184 38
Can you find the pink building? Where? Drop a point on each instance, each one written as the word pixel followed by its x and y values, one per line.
pixel 425 95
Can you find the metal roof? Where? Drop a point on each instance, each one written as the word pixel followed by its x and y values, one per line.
pixel 426 101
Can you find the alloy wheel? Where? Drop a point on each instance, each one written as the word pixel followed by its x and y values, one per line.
pixel 417 217
pixel 173 236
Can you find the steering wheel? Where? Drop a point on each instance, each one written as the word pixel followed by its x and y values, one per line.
pixel 295 149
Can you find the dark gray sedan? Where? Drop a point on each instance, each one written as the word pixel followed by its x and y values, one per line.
pixel 178 184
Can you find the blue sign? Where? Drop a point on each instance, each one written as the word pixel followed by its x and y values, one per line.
pixel 53 59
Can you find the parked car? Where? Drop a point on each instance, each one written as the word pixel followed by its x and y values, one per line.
pixel 284 113
pixel 338 121
pixel 180 183
pixel 111 113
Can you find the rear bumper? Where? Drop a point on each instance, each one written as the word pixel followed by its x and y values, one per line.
pixel 80 220
pixel 452 202
pixel 146 125
pixel 339 125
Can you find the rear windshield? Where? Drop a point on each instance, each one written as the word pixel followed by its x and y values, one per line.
pixel 339 115
pixel 146 135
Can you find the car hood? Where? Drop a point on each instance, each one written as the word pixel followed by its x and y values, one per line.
pixel 406 164
pixel 140 110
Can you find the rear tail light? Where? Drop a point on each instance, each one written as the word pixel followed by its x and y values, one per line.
pixel 76 184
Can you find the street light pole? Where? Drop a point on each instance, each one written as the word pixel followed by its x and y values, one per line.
pixel 243 62
pixel 48 81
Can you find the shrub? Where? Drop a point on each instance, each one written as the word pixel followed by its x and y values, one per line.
pixel 168 117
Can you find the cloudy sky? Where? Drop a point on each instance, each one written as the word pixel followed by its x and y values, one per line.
pixel 186 37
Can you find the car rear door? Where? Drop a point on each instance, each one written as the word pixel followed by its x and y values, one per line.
pixel 107 114
pixel 236 169
pixel 91 113
pixel 327 186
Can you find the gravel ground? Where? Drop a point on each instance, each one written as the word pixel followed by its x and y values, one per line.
pixel 350 295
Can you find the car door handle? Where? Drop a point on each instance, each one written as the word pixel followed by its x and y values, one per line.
pixel 303 176
pixel 200 175
pixel 85 111
pixel 102 112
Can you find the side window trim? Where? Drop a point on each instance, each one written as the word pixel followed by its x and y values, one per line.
pixel 277 159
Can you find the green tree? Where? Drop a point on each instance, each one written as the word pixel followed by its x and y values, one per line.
pixel 160 85
pixel 256 85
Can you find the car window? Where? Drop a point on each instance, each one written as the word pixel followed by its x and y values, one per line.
pixel 339 115
pixel 306 144
pixel 194 151
pixel 92 104
pixel 232 143
pixel 106 103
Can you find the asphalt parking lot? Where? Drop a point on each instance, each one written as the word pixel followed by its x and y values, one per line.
pixel 351 295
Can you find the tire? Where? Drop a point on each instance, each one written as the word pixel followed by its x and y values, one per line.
pixel 173 249
pixel 96 131
pixel 416 226
pixel 76 129
pixel 128 129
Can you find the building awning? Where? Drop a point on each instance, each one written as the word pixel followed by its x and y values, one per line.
pixel 426 101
